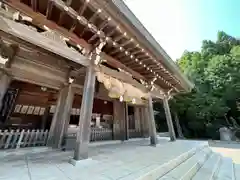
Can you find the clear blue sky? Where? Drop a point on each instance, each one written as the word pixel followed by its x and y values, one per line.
pixel 180 25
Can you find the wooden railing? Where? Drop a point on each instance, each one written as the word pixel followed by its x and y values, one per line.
pixel 133 133
pixel 13 139
pixel 22 138
pixel 101 134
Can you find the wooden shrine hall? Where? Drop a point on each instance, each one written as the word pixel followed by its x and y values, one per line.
pixel 80 65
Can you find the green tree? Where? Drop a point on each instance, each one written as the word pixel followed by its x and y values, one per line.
pixel 215 101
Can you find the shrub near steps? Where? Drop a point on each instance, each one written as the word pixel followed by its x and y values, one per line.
pixel 189 168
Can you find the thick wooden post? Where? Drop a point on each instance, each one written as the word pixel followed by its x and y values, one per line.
pixel 119 120
pixel 144 122
pixel 169 119
pixel 151 121
pixel 83 134
pixel 45 117
pixel 137 119
pixel 50 139
pixel 61 117
pixel 4 84
pixel 179 129
pixel 126 122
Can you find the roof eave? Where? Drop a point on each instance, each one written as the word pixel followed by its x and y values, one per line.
pixel 168 62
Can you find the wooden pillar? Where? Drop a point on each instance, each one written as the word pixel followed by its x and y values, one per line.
pixel 83 134
pixel 126 122
pixel 45 117
pixel 169 119
pixel 144 122
pixel 152 124
pixel 179 129
pixel 118 120
pixel 137 118
pixel 61 117
pixel 5 80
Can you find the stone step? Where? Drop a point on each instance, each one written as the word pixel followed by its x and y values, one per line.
pixel 152 173
pixel 226 170
pixel 236 172
pixel 189 168
pixel 210 168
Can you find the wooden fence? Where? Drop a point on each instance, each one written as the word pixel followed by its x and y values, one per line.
pixel 30 138
pixel 101 134
pixel 22 138
pixel 133 133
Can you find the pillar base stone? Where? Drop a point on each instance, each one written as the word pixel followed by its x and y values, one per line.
pixel 82 162
pixel 172 139
pixel 153 141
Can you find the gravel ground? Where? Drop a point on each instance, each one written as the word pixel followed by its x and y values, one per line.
pixel 231 150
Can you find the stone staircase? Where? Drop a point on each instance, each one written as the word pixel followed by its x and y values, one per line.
pixel 200 164
pixel 130 160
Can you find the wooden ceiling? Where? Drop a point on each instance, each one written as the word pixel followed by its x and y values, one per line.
pixel 85 23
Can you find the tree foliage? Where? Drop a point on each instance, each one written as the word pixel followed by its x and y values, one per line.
pixel 214 102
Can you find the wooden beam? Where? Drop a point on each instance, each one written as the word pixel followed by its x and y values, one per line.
pixel 115 51
pixel 131 48
pixel 91 20
pixel 121 76
pixel 101 27
pixel 126 43
pixel 118 38
pixel 41 21
pixel 136 52
pixel 113 62
pixel 111 32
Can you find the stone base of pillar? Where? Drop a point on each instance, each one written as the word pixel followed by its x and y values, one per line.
pixel 172 138
pixel 153 141
pixel 81 162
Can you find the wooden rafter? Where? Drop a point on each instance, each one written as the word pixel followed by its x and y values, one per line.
pixel 142 56
pixel 40 20
pixel 49 9
pixel 101 27
pixel 136 52
pixel 126 43
pixel 122 55
pixel 131 48
pixel 114 51
pixel 82 9
pixel 34 4
pixel 118 38
pixel 111 61
pixel 75 39
pixel 109 34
